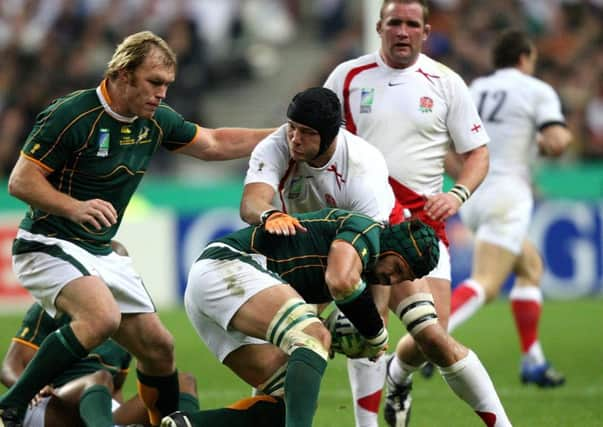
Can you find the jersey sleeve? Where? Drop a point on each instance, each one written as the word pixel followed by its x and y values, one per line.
pixel 363 234
pixel 548 107
pixel 51 141
pixel 463 122
pixel 333 81
pixel 36 326
pixel 177 131
pixel 269 160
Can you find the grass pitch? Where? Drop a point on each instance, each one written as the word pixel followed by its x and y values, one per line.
pixel 571 335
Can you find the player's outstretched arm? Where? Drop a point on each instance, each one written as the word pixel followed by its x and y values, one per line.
pixel 224 143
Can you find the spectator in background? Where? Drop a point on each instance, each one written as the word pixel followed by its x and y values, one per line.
pixel 28 30
pixel 520 113
pixel 593 149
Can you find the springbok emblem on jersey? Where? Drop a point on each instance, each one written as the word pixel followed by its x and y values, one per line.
pixel 143 136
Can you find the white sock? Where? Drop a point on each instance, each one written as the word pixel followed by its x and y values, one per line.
pixel 400 371
pixel 534 356
pixel 468 307
pixel 366 380
pixel 470 381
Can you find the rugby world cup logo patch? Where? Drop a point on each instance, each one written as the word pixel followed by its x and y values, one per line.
pixel 103 142
pixel 367 97
pixel 425 104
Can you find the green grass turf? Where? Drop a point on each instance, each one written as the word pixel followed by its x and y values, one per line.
pixel 571 334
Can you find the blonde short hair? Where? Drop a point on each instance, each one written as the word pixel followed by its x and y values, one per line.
pixel 132 51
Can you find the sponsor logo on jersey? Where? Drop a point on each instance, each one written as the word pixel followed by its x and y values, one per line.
pixel 104 138
pixel 125 136
pixel 367 97
pixel 426 104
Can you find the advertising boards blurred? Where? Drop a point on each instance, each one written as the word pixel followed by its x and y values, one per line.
pixel 164 242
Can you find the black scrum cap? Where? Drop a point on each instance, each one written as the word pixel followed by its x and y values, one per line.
pixel 320 109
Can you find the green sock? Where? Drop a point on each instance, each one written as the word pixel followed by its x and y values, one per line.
pixel 58 352
pixel 302 385
pixel 259 414
pixel 95 407
pixel 188 403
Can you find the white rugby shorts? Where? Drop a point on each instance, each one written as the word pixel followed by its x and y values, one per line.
pixel 215 291
pixel 499 211
pixel 44 275
pixel 442 270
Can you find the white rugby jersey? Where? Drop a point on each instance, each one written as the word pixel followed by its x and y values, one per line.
pixel 411 115
pixel 514 106
pixel 355 178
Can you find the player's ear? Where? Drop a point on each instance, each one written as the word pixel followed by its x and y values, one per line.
pixel 378 27
pixel 426 31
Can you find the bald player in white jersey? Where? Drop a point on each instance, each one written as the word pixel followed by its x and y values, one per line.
pixel 522 115
pixel 414 109
pixel 311 163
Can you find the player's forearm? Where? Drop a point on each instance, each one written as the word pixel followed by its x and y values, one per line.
pixel 256 199
pixel 475 168
pixel 234 143
pixel 251 210
pixel 30 185
pixel 239 142
pixel 554 140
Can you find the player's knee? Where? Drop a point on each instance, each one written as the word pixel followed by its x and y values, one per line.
pixel 158 350
pixel 295 325
pixel 101 377
pixel 342 289
pixel 529 266
pixel 417 312
pixel 94 331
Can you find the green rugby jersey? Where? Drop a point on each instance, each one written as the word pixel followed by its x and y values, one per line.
pixel 109 356
pixel 301 260
pixel 93 153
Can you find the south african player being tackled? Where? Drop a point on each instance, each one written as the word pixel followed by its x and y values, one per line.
pixel 250 297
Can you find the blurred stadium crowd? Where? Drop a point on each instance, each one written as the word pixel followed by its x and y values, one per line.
pixel 51 47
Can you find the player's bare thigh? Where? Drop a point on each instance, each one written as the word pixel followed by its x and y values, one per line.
pixel 439 288
pixel 492 264
pixel 254 317
pixel 93 309
pixel 257 362
pixel 529 266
